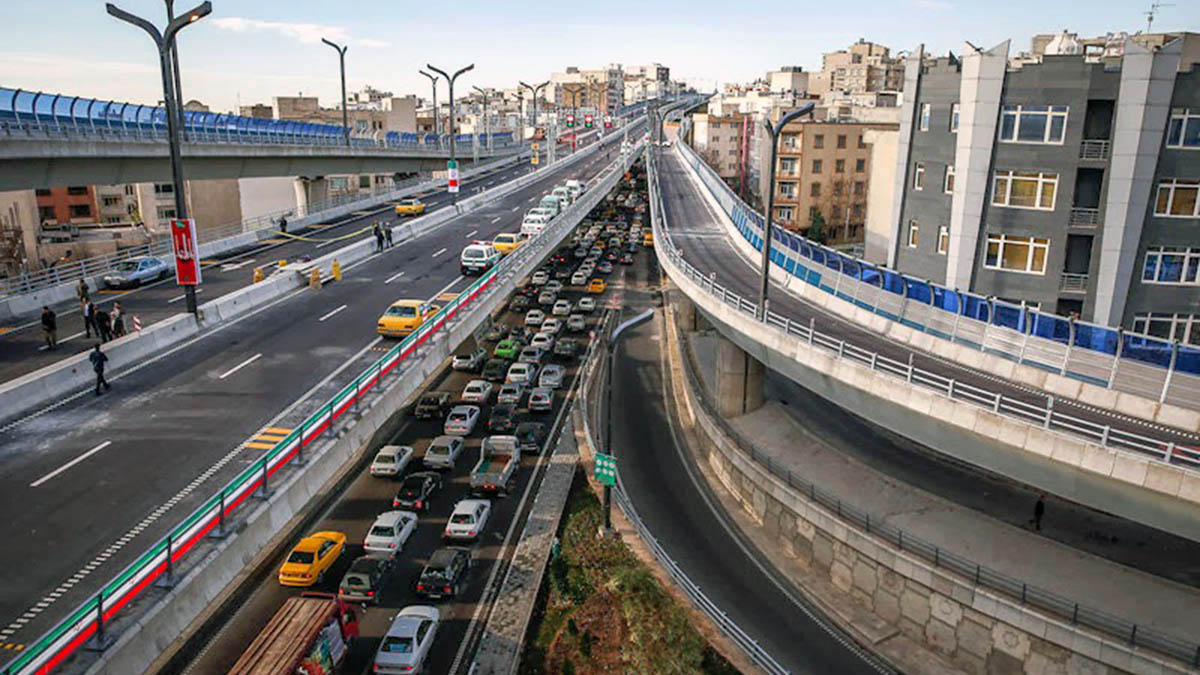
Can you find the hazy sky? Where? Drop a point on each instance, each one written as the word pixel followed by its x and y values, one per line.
pixel 248 51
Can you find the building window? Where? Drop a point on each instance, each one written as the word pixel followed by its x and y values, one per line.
pixel 943 239
pixel 815 190
pixel 733 152
pixel 164 189
pixel 77 190
pixel 46 213
pixel 1025 189
pixel 787 190
pixel 166 212
pixel 862 142
pixel 914 229
pixel 926 110
pixel 813 212
pixel 1033 123
pixel 81 211
pixel 919 176
pixel 953 118
pixel 112 201
pixel 715 139
pixel 364 182
pixel 948 180
pixel 837 188
pixel 841 141
pixel 1016 254
pixel 816 166
pixel 1178 199
pixel 789 141
pixel 42 192
pixel 839 166
pixel 1171 265
pixel 1182 327
pixel 856 211
pixel 818 141
pixel 112 219
pixel 787 166
pixel 1184 129
pixel 716 125
pixel 784 214
pixel 860 165
pixel 859 187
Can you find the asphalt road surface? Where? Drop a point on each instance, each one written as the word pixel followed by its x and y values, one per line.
pixel 88 485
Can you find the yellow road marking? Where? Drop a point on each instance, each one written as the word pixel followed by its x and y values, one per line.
pixel 5 329
pixel 110 291
pixel 272 241
pixel 269 438
pixel 444 297
pixel 259 446
pixel 278 430
pixel 13 645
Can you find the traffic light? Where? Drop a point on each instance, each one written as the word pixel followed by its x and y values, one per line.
pixel 608 121
pixel 570 120
pixel 587 121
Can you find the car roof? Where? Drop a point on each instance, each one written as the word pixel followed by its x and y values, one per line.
pixel 469 505
pixel 443 556
pixel 408 303
pixel 390 517
pixel 464 408
pixel 446 440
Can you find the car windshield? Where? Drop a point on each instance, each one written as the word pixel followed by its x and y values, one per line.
pixel 127 266
pixel 385 459
pixel 355 580
pixel 462 518
pixel 301 557
pixel 409 202
pixel 407 311
pixel 438 450
pixel 393 644
pixel 383 531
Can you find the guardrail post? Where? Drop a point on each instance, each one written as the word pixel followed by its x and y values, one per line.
pixel 300 461
pixel 1162 398
pixel 950 389
pixel 874 356
pixel 910 367
pixel 167 580
pixel 1112 373
pixel 977 569
pixel 101 640
pixel 1133 635
pixel 1075 615
pixel 937 557
pixel 900 540
pixel 996 405
pixel 1169 452
pixel 219 532
pixel 812 323
pixel 841 348
pixel 264 491
pixel 1049 411
pixel 1024 591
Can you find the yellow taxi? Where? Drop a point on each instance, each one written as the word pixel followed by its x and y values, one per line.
pixel 597 286
pixel 648 239
pixel 410 207
pixel 405 316
pixel 507 242
pixel 311 558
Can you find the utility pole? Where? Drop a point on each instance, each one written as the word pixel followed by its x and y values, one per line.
pixel 342 65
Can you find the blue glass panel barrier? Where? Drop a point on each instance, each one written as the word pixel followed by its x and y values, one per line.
pixel 1050 327
pixel 1146 349
pixel 946 300
pixel 917 290
pixel 23 106
pixel 1009 316
pixel 977 308
pixel 1095 338
pixel 1188 360
pixel 892 282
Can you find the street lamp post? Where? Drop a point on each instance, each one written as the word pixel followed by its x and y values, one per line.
pixel 165 41
pixel 487 123
pixel 437 125
pixel 450 83
pixel 775 130
pixel 342 63
pixel 175 70
pixel 534 91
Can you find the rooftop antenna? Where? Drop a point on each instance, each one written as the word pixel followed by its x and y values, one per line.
pixel 1154 7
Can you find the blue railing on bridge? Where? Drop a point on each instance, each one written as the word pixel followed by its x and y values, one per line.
pixel 24 109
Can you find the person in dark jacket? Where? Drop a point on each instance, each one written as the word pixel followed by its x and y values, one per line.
pixel 1039 510
pixel 99 359
pixel 378 237
pixel 118 320
pixel 89 318
pixel 103 325
pixel 49 327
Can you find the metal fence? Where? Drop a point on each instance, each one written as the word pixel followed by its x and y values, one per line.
pixel 1154 368
pixel 981 576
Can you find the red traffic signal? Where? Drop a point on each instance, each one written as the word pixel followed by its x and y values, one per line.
pixel 570 120
pixel 587 121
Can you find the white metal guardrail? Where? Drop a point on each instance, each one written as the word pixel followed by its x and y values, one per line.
pixel 1043 414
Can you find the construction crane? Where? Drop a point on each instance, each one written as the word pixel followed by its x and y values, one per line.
pixel 1154 7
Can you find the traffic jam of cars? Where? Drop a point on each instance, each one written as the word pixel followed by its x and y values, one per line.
pixel 446 487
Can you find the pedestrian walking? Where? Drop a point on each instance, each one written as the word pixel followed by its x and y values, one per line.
pixel 49 327
pixel 118 320
pixel 89 319
pixel 82 290
pixel 98 359
pixel 103 325
pixel 387 233
pixel 378 237
pixel 1039 510
pixel 283 224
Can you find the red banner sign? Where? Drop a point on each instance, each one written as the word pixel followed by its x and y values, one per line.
pixel 187 254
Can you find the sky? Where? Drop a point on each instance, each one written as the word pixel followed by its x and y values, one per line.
pixel 248 51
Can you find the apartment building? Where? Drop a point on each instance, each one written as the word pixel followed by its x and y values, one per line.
pixel 724 143
pixel 1070 182
pixel 862 67
pixel 787 80
pixel 601 90
pixel 71 205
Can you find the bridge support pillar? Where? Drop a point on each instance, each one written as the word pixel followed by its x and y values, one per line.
pixel 686 316
pixel 739 380
pixel 310 193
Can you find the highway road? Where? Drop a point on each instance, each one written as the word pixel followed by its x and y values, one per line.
pixel 89 484
pixel 695 228
pixel 22 349
pixel 677 505
pixel 353 512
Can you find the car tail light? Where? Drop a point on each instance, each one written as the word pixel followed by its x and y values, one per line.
pixel 395 501
pixel 471 533
pixel 370 594
pixel 392 545
pixel 420 504
pixel 445 589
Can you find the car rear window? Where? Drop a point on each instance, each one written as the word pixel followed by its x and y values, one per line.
pixel 383 531
pixel 402 310
pixel 355 580
pixel 397 645
pixel 301 557
pixel 385 459
pixel 462 519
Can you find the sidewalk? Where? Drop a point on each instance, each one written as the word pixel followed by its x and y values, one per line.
pixel 813 440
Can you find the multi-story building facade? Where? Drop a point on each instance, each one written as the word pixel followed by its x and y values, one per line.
pixel 1069 182
pixel 862 67
pixel 601 90
pixel 724 143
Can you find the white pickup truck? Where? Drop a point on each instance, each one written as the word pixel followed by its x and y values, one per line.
pixel 499 457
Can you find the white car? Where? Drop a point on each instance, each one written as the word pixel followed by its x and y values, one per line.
pixel 461 420
pixel 540 278
pixel 443 452
pixel 554 286
pixel 468 519
pixel 534 317
pixel 391 460
pixel 406 645
pixel 552 377
pixel 389 532
pixel 530 354
pixel 471 361
pixel 511 393
pixel 586 305
pixel 551 326
pixel 521 373
pixel 543 341
pixel 580 278
pixel 576 323
pixel 561 308
pixel 477 391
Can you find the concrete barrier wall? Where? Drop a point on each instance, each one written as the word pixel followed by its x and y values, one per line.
pixel 1053 383
pixel 1145 490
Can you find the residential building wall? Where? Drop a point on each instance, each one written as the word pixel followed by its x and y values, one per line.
pixel 788 79
pixel 884 145
pixel 721 142
pixel 75 204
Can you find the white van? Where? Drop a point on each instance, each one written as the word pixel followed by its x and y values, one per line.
pixel 478 258
pixel 576 187
pixel 533 225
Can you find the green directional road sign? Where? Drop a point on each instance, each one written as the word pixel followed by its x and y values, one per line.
pixel 606 469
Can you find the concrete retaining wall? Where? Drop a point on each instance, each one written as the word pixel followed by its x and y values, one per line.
pixel 977 631
pixel 1137 487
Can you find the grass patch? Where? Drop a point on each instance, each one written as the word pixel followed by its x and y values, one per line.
pixel 600 610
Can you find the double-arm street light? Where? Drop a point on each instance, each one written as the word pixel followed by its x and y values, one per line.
pixel 437 125
pixel 175 69
pixel 450 80
pixel 487 125
pixel 774 131
pixel 342 64
pixel 165 42
pixel 534 91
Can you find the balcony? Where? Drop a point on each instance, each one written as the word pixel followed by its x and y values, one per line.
pixel 1073 283
pixel 1084 217
pixel 1095 150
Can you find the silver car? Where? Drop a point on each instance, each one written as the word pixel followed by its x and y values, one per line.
pixel 461 421
pixel 443 452
pixel 552 376
pixel 511 393
pixel 135 272
pixel 407 643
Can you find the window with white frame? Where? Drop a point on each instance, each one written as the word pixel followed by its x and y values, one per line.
pixel 1182 327
pixel 1177 198
pixel 943 243
pixel 1183 131
pixel 1025 189
pixel 948 180
pixel 953 118
pixel 1014 253
pixel 914 231
pixel 919 176
pixel 784 214
pixel 926 110
pixel 1033 123
pixel 1174 265
pixel 787 190
pixel 787 165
